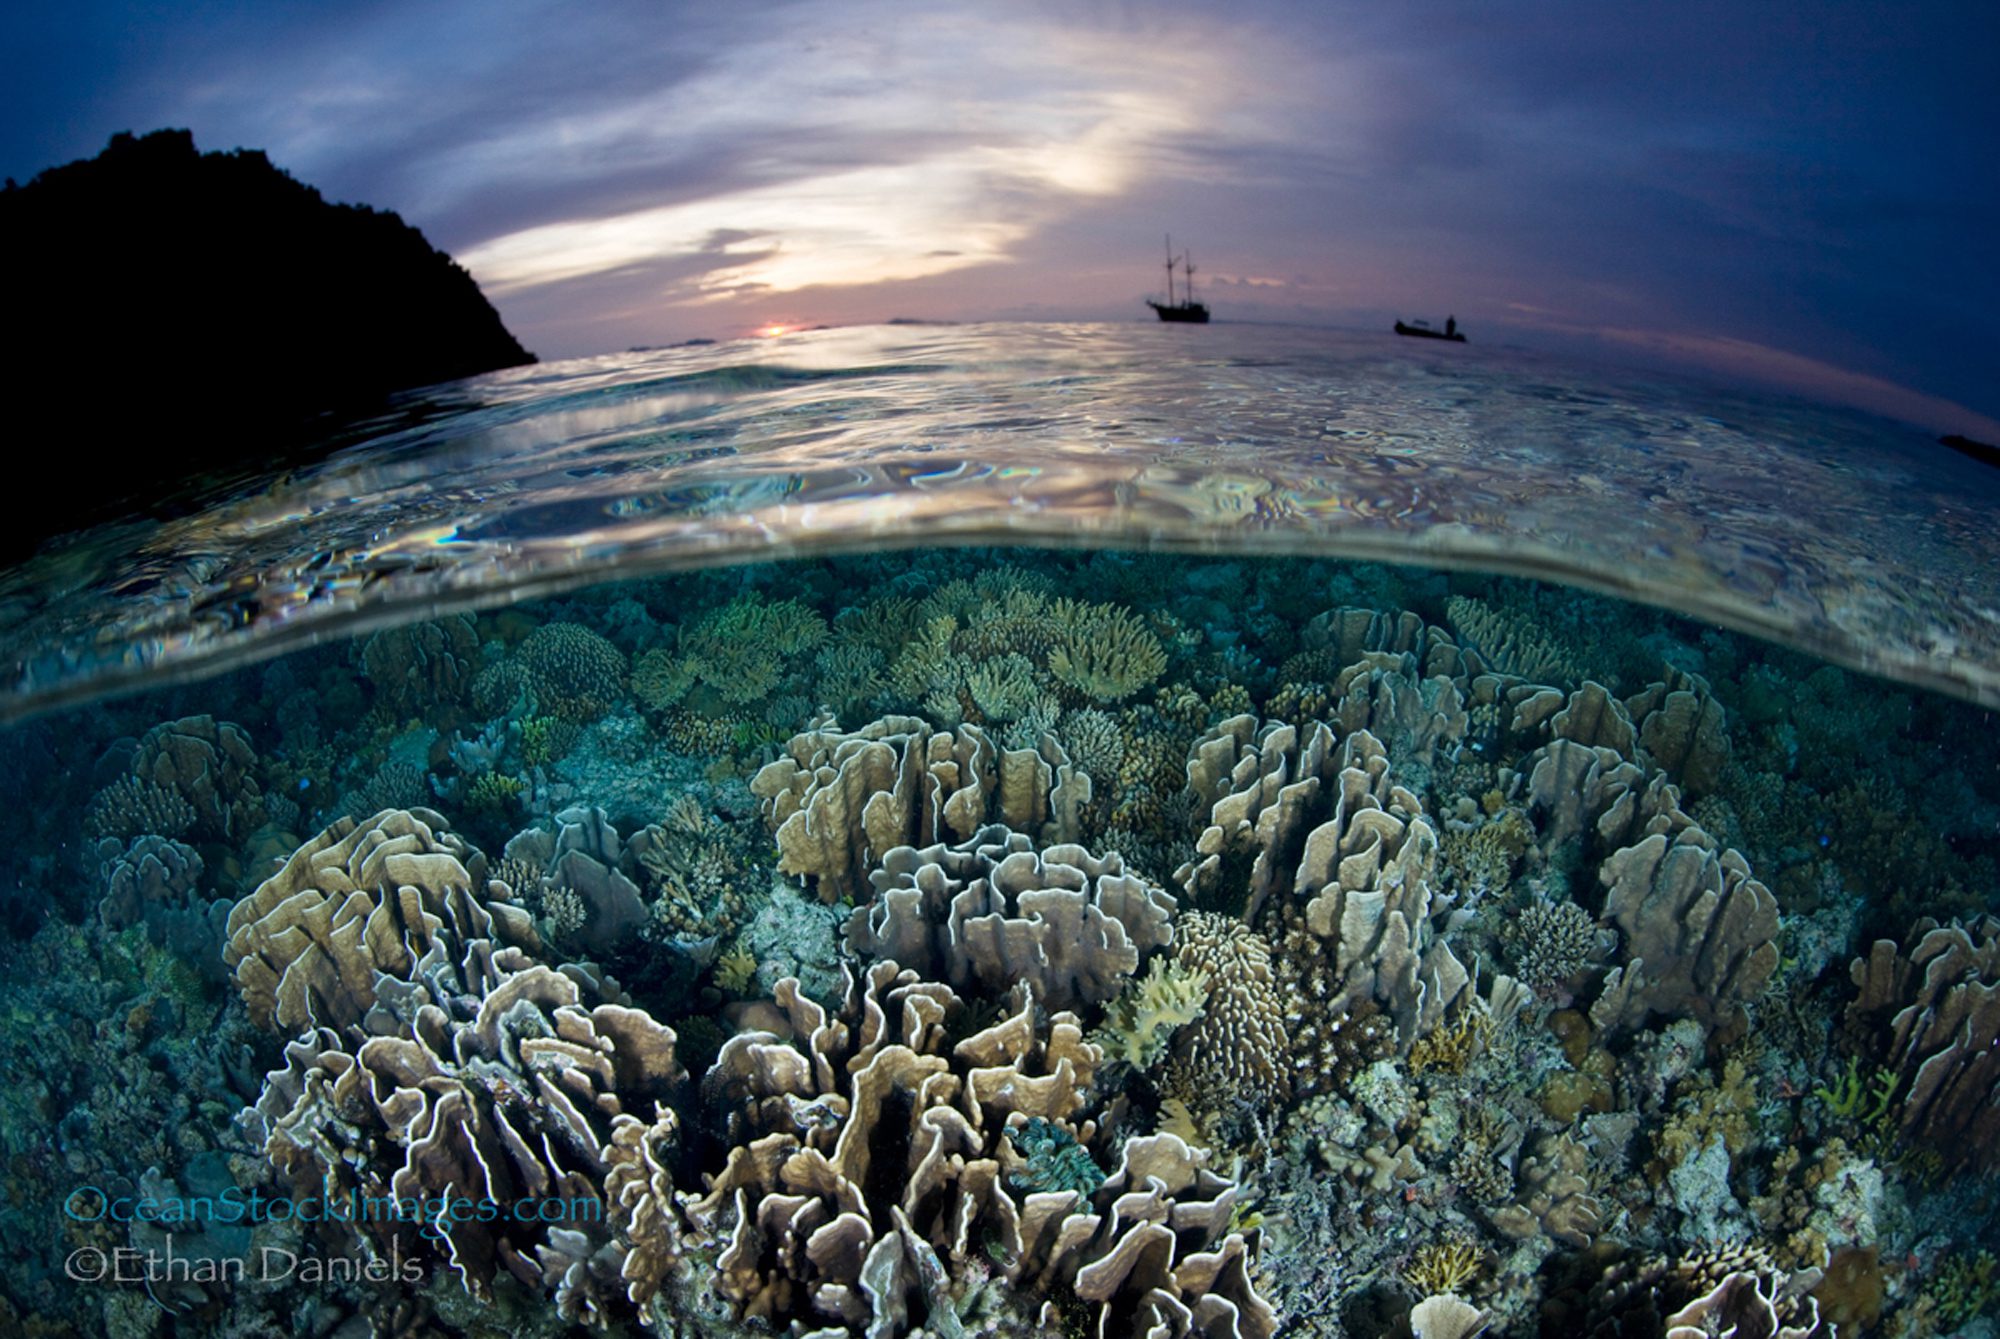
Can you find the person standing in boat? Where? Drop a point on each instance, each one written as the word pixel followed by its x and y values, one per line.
pixel 1450 326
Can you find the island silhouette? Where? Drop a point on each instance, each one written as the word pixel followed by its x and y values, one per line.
pixel 179 318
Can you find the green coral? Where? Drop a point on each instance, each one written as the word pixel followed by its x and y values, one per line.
pixel 1140 1024
pixel 1103 651
pixel 493 791
pixel 1864 1102
pixel 1965 1285
pixel 739 652
pixel 545 739
pixel 735 970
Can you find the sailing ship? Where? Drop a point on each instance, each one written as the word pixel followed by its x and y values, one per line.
pixel 1422 330
pixel 1186 309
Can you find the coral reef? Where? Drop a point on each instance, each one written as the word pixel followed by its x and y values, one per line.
pixel 814 1229
pixel 1937 1006
pixel 992 911
pixel 575 674
pixel 1220 948
pixel 838 801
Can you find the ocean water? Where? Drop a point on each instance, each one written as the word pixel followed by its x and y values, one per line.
pixel 1018 830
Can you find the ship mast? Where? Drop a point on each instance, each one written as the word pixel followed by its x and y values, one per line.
pixel 1170 269
pixel 1188 261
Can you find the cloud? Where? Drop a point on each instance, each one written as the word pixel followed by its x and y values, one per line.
pixel 986 132
pixel 636 170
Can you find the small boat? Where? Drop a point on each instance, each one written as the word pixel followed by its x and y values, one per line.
pixel 1186 309
pixel 1971 449
pixel 1422 330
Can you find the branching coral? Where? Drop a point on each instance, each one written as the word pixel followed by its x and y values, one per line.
pixel 1140 1024
pixel 1551 942
pixel 1102 651
pixel 1444 1267
pixel 1237 1051
pixel 576 675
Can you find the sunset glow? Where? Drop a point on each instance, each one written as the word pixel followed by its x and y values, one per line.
pixel 1571 176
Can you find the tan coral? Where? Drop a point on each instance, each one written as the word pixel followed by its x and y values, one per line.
pixel 1682 726
pixel 211 765
pixel 534 1095
pixel 1337 848
pixel 990 912
pixel 1936 1007
pixel 1238 1048
pixel 1700 934
pixel 1554 1195
pixel 839 800
pixel 361 898
pixel 815 1231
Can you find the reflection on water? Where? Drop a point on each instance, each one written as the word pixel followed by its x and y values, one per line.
pixel 1835 532
pixel 713 894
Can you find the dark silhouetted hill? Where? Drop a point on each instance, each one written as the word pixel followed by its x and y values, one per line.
pixel 177 316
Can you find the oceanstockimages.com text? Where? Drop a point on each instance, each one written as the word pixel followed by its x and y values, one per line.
pixel 431 1215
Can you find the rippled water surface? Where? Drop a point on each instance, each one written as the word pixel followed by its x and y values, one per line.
pixel 1850 536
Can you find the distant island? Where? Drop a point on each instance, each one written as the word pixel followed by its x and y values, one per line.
pixel 178 314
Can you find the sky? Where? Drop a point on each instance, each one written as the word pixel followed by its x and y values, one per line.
pixel 1798 194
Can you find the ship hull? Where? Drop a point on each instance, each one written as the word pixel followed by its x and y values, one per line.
pixel 1420 332
pixel 1189 313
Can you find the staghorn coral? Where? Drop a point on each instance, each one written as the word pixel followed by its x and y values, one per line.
pixel 1444 1266
pixel 575 674
pixel 1103 652
pixel 738 653
pixel 837 801
pixel 991 911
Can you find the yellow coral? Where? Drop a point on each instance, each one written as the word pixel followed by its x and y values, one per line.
pixel 735 970
pixel 1443 1267
pixel 1706 1109
pixel 1450 1047
pixel 1103 651
pixel 1141 1022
